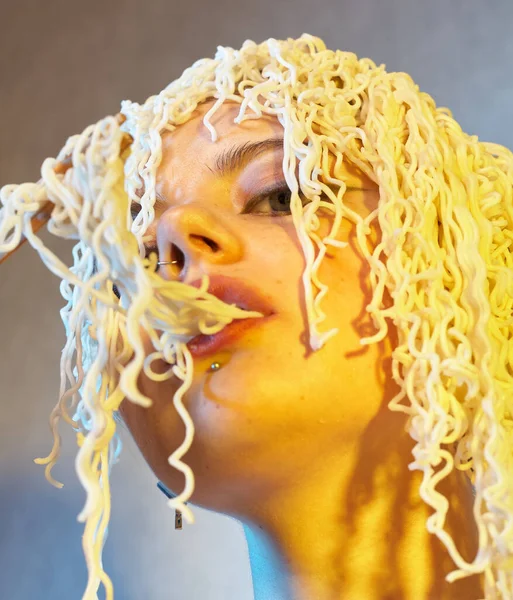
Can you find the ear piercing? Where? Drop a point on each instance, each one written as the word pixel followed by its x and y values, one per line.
pixel 168 494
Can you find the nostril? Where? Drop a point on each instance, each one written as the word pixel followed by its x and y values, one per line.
pixel 178 258
pixel 200 240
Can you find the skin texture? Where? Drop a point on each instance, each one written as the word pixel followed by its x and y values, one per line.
pixel 298 445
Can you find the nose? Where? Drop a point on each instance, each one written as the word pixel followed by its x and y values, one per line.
pixel 193 236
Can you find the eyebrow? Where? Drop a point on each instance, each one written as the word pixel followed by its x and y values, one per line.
pixel 237 157
pixel 227 162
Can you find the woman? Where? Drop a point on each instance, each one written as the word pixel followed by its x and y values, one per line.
pixel 298 445
pixel 280 171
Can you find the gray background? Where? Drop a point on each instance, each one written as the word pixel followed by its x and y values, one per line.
pixel 65 64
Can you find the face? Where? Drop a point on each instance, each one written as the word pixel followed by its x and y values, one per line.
pixel 274 407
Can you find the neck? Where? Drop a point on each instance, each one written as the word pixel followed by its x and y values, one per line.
pixel 356 528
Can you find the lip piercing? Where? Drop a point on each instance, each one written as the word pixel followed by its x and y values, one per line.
pixel 215 366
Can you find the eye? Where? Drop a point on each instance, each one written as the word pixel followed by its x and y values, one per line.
pixel 274 202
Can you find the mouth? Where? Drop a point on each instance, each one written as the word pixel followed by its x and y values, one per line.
pixel 235 292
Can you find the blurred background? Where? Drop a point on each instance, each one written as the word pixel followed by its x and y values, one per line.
pixel 66 64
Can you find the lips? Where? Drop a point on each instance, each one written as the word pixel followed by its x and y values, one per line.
pixel 230 291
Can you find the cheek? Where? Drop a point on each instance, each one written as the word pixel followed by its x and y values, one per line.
pixel 360 373
pixel 154 429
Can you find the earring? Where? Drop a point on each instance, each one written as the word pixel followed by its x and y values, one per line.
pixel 178 519
pixel 168 494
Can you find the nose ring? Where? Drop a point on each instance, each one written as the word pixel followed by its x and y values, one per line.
pixel 166 262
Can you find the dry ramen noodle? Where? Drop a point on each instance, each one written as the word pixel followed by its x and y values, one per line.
pixel 446 217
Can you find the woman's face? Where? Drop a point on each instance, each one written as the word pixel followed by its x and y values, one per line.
pixel 274 408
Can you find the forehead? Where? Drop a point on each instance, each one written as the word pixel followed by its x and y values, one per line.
pixel 192 139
